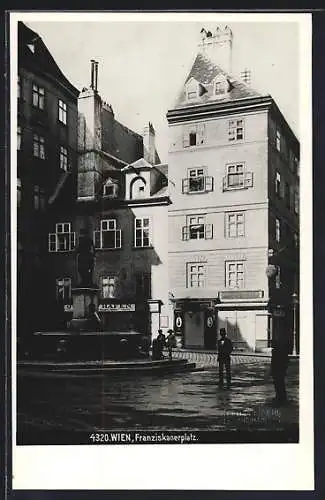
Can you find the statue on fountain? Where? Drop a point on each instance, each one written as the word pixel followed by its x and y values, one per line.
pixel 85 252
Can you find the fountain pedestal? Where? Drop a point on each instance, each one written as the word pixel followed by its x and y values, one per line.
pixel 85 302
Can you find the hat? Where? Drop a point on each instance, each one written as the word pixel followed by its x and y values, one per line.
pixel 170 331
pixel 222 330
pixel 160 331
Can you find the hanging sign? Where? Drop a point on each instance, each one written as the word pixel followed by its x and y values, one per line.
pixel 118 307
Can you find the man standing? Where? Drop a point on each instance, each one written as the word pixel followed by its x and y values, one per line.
pixel 171 342
pixel 161 343
pixel 225 348
pixel 279 366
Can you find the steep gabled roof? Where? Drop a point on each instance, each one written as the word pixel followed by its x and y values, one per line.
pixel 205 71
pixel 32 52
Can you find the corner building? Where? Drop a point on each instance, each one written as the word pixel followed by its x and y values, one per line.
pixel 234 219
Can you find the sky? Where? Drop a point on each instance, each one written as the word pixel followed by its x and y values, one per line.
pixel 143 64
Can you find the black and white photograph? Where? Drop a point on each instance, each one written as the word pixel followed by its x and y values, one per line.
pixel 160 205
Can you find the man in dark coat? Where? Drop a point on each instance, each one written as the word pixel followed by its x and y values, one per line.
pixel 161 342
pixel 225 348
pixel 170 342
pixel 279 366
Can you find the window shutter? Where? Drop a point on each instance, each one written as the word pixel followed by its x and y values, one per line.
pixel 185 185
pixel 97 239
pixel 224 183
pixel 52 242
pixel 201 133
pixel 208 183
pixel 185 233
pixel 208 229
pixel 249 179
pixel 186 138
pixel 72 240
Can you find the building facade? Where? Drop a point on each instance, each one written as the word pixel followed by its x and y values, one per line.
pixel 46 159
pixel 234 219
pixel 121 202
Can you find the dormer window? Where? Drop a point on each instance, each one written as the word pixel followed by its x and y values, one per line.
pixel 110 188
pixel 220 86
pixel 138 188
pixel 194 90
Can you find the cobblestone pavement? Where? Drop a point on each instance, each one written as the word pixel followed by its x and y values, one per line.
pixel 174 401
pixel 209 359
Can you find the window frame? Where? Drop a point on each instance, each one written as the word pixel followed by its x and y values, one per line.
pixel 235 263
pixel 234 128
pixel 141 228
pixel 68 237
pixel 242 174
pixel 278 140
pixel 108 226
pixel 192 282
pixel 236 224
pixel 62 112
pixel 108 284
pixel 64 158
pixel 277 230
pixel 39 141
pixel 38 96
pixel 277 183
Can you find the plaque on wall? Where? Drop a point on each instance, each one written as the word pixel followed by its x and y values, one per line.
pixel 241 295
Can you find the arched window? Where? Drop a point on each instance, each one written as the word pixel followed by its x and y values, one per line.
pixel 138 188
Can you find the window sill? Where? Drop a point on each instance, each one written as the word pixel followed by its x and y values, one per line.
pixel 150 247
pixel 60 251
pixel 239 188
pixel 197 192
pixel 107 249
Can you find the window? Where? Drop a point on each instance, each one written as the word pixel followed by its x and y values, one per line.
pixel 39 198
pixel 196 228
pixel 39 147
pixel 196 275
pixel 110 188
pixel 296 201
pixel 235 224
pixel 197 181
pixel 108 287
pixel 235 274
pixel 143 285
pixel 38 96
pixel 108 237
pixel 62 112
pixel 192 90
pixel 63 289
pixel 142 232
pixel 18 138
pixel 278 140
pixel 236 130
pixel 18 87
pixel 277 230
pixel 237 177
pixel 195 135
pixel 278 278
pixel 220 87
pixel 138 188
pixel 295 165
pixel 278 184
pixel 63 240
pixel 287 194
pixel 64 163
pixel 18 192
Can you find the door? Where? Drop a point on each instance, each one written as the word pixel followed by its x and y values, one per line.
pixel 194 329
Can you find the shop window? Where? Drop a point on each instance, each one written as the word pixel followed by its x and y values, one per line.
pixel 196 275
pixel 235 274
pixel 63 240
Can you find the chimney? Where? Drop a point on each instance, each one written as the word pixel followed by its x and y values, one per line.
pixel 217 46
pixel 246 76
pixel 94 75
pixel 149 144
